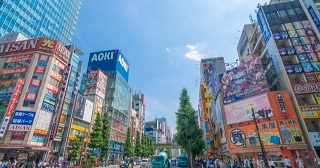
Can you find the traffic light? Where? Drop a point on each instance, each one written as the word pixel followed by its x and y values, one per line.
pixel 244 144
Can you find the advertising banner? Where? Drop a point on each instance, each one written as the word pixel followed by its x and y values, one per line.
pixel 56 75
pixel 22 120
pixel 39 131
pixel 311 77
pixel 40 69
pixel 11 106
pixel 210 69
pixel 306 88
pixel 219 122
pixel 48 104
pixel 291 132
pixel 269 133
pixel 43 58
pixel 265 31
pixel 83 109
pixel 21 69
pixel 35 82
pixel 243 81
pixel 101 84
pixel 8 82
pixel 31 96
pixel 59 64
pixel 38 138
pixel 19 58
pixel 241 111
pixel 317 96
pixel 123 66
pixel 317 75
pixel 315 138
pixel 53 88
pixel 18 136
pixel 310 111
pixel 96 84
pixel 44 120
pixel 5 95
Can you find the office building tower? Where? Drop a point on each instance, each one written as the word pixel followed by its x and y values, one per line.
pixel 51 19
pixel 139 105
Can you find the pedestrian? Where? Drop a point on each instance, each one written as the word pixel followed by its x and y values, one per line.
pixel 251 163
pixel 238 164
pixel 287 162
pixel 258 163
pixel 300 162
pixel 208 163
pixel 246 163
pixel 271 163
pixel 221 164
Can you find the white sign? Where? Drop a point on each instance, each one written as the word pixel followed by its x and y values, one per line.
pixel 123 63
pixel 315 138
pixel 23 156
pixel 16 127
pixel 102 56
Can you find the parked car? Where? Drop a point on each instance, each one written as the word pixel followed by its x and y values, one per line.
pixel 145 163
pixel 173 162
pixel 126 163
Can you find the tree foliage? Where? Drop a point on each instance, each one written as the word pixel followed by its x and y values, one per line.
pixel 105 135
pixel 128 146
pixel 137 149
pixel 89 160
pixel 76 148
pixel 96 139
pixel 189 135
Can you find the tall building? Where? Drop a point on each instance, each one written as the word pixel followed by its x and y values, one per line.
pixel 51 19
pixel 151 130
pixel 286 38
pixel 139 105
pixel 33 85
pixel 118 95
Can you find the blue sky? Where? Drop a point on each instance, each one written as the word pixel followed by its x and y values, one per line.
pixel 162 40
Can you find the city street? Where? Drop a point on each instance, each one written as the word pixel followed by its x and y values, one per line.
pixel 117 166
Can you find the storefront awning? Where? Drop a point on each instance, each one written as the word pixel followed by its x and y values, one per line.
pixel 32 147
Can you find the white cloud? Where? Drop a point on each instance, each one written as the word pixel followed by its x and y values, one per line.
pixel 168 49
pixel 193 53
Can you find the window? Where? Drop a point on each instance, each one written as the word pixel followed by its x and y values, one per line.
pixel 283 13
pixel 37 76
pixel 291 12
pixel 51 94
pixel 34 89
pixel 42 63
pixel 29 103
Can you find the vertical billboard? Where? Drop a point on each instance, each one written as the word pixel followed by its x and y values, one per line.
pixel 210 69
pixel 46 113
pixel 109 60
pixel 243 81
pixel 241 111
pixel 83 109
pixel 96 84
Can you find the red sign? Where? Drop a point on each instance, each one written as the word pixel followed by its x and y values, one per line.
pixel 8 82
pixel 317 75
pixel 43 58
pixel 35 82
pixel 40 69
pixel 19 58
pixel 38 44
pixel 14 70
pixel 53 88
pixel 56 76
pixel 311 77
pixel 18 136
pixel 59 64
pixel 31 96
pixel 306 88
pixel 14 98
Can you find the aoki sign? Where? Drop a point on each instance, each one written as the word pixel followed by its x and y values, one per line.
pixel 103 56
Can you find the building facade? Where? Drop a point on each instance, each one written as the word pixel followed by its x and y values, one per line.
pixel 52 19
pixel 139 105
pixel 32 83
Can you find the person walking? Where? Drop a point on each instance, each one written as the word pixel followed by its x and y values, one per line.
pixel 300 162
pixel 208 163
pixel 287 162
pixel 271 163
pixel 246 162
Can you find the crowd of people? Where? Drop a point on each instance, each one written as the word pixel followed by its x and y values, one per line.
pixel 31 164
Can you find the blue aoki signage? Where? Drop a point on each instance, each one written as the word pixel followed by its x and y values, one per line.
pixel 109 60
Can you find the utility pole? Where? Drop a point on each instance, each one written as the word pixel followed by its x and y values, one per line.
pixel 261 143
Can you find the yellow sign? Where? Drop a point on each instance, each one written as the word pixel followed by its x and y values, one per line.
pixel 317 96
pixel 311 111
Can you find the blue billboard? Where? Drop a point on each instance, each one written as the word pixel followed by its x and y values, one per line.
pixel 266 33
pixel 109 60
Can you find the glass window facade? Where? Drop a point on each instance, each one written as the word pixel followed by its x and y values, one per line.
pixel 38 18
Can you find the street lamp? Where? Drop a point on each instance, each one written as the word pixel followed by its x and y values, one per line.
pixel 265 114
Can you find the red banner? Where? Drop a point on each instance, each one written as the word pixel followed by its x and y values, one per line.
pixel 19 58
pixel 35 82
pixel 14 98
pixel 56 76
pixel 53 88
pixel 306 88
pixel 31 96
pixel 44 58
pixel 311 77
pixel 59 64
pixel 18 136
pixel 39 69
pixel 14 70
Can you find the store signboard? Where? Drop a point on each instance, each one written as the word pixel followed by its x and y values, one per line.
pixel 22 120
pixel 310 111
pixel 53 88
pixel 59 64
pixel 7 71
pixel 18 136
pixel 317 96
pixel 19 58
pixel 43 58
pixel 40 69
pixel 31 96
pixel 314 138
pixel 291 131
pixel 35 82
pixel 11 107
pixel 56 75
pixel 306 88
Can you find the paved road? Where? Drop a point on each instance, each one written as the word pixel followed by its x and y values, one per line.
pixel 117 166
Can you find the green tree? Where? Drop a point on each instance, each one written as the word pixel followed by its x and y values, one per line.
pixel 144 151
pixel 150 147
pixel 89 160
pixel 128 147
pixel 76 148
pixel 96 139
pixel 105 135
pixel 189 135
pixel 137 149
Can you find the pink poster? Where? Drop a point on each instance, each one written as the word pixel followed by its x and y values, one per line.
pixel 241 111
